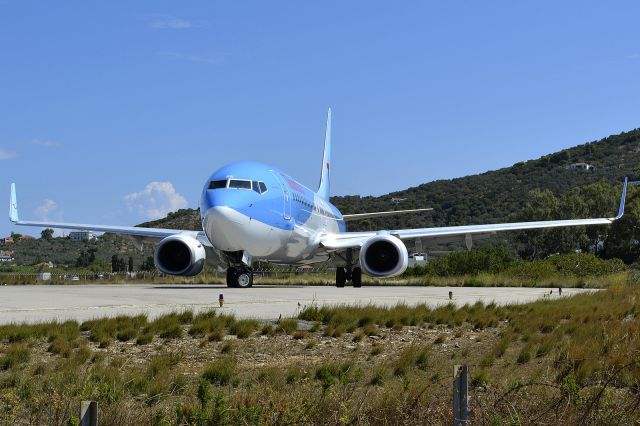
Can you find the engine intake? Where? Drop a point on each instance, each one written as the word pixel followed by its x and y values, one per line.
pixel 383 256
pixel 180 255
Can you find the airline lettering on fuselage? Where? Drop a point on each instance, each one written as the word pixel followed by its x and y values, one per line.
pixel 293 184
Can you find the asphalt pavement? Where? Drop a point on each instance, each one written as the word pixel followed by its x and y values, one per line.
pixel 37 303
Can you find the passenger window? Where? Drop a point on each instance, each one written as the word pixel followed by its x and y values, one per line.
pixel 217 184
pixel 240 184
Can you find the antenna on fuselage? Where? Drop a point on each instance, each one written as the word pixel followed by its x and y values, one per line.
pixel 323 188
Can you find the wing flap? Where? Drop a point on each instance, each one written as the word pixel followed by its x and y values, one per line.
pixel 358 216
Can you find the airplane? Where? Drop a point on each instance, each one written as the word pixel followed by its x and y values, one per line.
pixel 252 212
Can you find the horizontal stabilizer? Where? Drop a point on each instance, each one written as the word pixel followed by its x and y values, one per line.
pixel 348 217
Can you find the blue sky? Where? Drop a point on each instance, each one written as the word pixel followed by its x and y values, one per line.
pixel 114 112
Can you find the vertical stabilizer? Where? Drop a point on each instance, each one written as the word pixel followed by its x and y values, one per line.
pixel 323 188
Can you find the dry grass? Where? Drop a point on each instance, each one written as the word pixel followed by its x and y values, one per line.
pixel 567 361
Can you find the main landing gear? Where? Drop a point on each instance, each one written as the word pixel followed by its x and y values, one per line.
pixel 344 274
pixel 239 277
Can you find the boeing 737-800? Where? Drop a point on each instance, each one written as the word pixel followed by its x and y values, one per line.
pixel 251 211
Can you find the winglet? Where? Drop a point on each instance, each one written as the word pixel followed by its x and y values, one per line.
pixel 323 188
pixel 13 205
pixel 622 200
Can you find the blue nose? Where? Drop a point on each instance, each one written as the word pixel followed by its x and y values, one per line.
pixel 225 198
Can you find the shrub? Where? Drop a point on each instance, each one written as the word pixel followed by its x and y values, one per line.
pixel 288 325
pixel 144 338
pixel 227 347
pixel 524 356
pixel 243 328
pixel 219 372
pixel 330 373
pixel 60 346
pixel 16 353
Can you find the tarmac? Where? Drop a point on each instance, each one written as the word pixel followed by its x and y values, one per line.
pixel 38 303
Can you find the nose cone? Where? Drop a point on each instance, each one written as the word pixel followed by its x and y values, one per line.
pixel 225 228
pixel 218 197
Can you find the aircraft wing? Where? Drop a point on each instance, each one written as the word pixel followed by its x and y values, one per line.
pixel 358 216
pixel 142 233
pixel 356 239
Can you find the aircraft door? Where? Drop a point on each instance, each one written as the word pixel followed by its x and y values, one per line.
pixel 286 192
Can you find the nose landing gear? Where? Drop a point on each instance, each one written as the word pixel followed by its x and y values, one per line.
pixel 239 277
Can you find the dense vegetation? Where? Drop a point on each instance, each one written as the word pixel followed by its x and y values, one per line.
pixel 566 361
pixel 501 195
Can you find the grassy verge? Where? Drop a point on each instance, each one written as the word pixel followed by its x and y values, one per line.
pixel 572 360
pixel 485 279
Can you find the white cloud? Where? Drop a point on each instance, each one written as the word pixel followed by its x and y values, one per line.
pixel 43 142
pixel 48 210
pixel 155 200
pixel 168 22
pixel 6 155
pixel 175 56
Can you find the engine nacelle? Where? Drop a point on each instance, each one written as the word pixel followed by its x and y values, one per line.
pixel 383 256
pixel 180 255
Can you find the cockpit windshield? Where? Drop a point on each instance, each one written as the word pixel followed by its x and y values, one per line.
pixel 217 184
pixel 257 186
pixel 240 184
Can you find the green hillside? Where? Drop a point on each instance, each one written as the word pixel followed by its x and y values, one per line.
pixel 501 195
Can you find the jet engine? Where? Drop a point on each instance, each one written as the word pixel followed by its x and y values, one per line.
pixel 383 256
pixel 180 255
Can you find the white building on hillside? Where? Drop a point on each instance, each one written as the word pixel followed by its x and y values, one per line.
pixel 81 235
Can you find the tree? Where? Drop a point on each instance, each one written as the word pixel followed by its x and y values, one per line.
pixel 83 260
pixel 130 264
pixel 114 263
pixel 46 234
pixel 92 254
pixel 148 264
pixel 623 240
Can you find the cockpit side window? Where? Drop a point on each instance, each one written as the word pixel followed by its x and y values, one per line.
pixel 259 187
pixel 217 184
pixel 240 184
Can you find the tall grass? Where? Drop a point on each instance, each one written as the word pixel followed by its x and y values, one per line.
pixel 571 360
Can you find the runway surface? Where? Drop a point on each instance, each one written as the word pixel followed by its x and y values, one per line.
pixel 81 302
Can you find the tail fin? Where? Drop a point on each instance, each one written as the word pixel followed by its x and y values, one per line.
pixel 323 188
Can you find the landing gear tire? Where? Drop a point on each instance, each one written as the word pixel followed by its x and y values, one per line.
pixel 356 277
pixel 239 277
pixel 244 278
pixel 231 276
pixel 341 277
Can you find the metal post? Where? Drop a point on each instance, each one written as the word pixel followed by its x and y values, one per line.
pixel 88 413
pixel 460 394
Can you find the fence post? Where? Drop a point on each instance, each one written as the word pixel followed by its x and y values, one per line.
pixel 88 413
pixel 460 394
